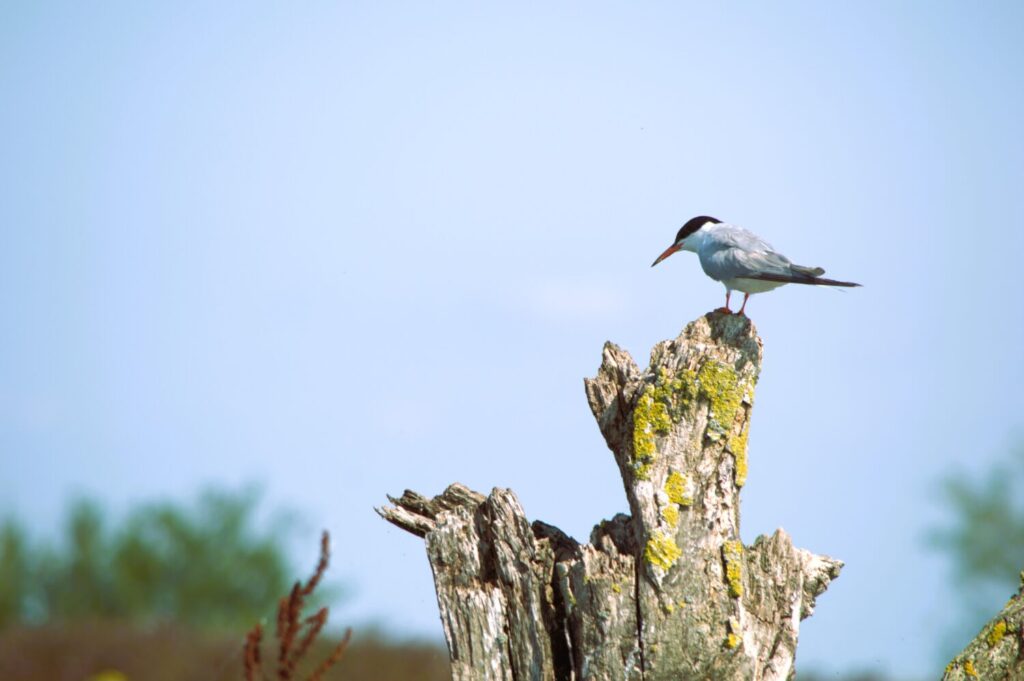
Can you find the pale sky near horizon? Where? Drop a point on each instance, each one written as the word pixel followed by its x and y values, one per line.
pixel 341 249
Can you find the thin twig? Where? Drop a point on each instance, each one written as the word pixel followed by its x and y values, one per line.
pixel 321 566
pixel 292 609
pixel 313 624
pixel 290 625
pixel 332 660
pixel 251 654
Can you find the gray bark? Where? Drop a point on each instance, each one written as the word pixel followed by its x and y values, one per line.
pixel 668 592
pixel 997 653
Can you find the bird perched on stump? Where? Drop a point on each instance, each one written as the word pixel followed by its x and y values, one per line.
pixel 741 260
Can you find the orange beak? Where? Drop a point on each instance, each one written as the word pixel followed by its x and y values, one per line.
pixel 668 251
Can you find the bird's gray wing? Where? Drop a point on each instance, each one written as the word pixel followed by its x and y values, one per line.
pixel 731 252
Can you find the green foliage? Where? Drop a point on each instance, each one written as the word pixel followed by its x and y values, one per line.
pixel 206 566
pixel 983 538
pixel 15 572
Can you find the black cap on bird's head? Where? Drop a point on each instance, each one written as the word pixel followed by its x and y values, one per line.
pixel 691 226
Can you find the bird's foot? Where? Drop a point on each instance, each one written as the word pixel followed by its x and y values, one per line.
pixel 723 310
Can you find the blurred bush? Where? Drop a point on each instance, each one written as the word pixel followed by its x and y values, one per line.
pixel 983 538
pixel 206 566
pixel 166 593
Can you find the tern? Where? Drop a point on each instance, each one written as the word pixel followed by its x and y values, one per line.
pixel 741 260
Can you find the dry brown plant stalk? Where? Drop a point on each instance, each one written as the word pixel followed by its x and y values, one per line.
pixel 295 635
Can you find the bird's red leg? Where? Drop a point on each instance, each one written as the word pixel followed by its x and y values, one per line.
pixel 744 305
pixel 725 310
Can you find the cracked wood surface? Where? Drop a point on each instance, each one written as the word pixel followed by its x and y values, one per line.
pixel 667 592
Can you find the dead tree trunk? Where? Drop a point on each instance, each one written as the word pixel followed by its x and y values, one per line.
pixel 997 652
pixel 668 592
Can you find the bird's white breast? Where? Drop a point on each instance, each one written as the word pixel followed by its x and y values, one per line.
pixel 751 285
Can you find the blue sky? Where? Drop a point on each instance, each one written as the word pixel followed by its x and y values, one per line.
pixel 343 249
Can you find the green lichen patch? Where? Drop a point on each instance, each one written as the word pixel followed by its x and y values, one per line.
pixel 616 587
pixel 996 633
pixel 732 554
pixel 733 640
pixel 677 488
pixel 659 406
pixel 662 551
pixel 723 389
pixel 677 392
pixel 670 514
pixel 650 418
pixel 642 470
pixel 738 446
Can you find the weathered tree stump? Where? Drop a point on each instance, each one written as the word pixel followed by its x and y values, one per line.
pixel 668 592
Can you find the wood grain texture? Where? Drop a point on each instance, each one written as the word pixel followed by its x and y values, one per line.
pixel 667 592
